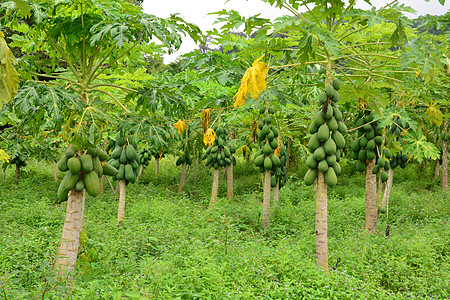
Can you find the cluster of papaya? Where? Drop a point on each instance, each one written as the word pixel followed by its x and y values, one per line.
pixel 125 158
pixel 327 140
pixel 265 158
pixel 83 170
pixel 220 155
pixel 395 130
pixel 146 156
pixel 399 160
pixel 185 157
pixel 279 174
pixel 367 146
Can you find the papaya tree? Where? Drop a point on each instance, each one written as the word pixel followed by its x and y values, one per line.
pixel 82 40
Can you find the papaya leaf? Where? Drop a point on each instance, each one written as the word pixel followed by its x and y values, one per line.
pixel 23 7
pixel 417 147
pixel 9 77
pixel 435 113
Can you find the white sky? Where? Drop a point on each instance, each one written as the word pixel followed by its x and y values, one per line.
pixel 196 11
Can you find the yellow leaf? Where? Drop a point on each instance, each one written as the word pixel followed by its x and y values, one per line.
pixel 277 150
pixel 435 113
pixel 209 137
pixel 180 126
pixel 253 82
pixel 4 157
pixel 419 71
pixel 9 78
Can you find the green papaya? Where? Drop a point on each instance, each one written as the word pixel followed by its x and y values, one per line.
pixel 384 176
pixel 267 163
pixel 313 128
pixel 121 172
pixel 108 169
pixel 69 181
pixel 361 165
pixel 97 166
pixel 337 114
pixel 114 163
pixel 311 162
pixel 319 119
pixel 381 162
pixel 275 161
pixel 313 143
pixel 370 154
pixel 267 149
pixel 116 152
pixel 342 128
pixel 62 194
pixel 262 110
pixel 79 186
pixel 336 84
pixel 273 181
pixel 62 164
pixel 330 177
pixel 375 169
pixel 274 144
pixel 371 145
pixel 363 142
pixel 338 138
pixel 322 166
pixel 91 183
pixel 310 176
pixel 268 119
pixel 387 153
pixel 323 98
pixel 323 133
pixel 123 157
pixel 319 154
pixel 329 112
pixel 370 134
pixel 355 145
pixel 129 173
pixel 102 155
pixel 131 153
pixel 331 160
pixel 329 90
pixel 120 141
pixel 74 165
pixel 70 151
pixel 86 163
pixel 271 110
pixel 330 146
pixel 337 169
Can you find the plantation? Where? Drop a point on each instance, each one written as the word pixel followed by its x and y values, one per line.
pixel 173 246
pixel 304 157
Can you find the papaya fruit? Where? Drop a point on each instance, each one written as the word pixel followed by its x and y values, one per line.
pixel 319 118
pixel 262 110
pixel 274 144
pixel 323 98
pixel 363 142
pixel 338 138
pixel 108 169
pixel 322 166
pixel 121 172
pixel 62 164
pixel 129 173
pixel 267 149
pixel 323 133
pixel 270 136
pixel 275 161
pixel 120 141
pixel 268 119
pixel 382 209
pixel 311 162
pixel 97 166
pixel 337 169
pixel 62 194
pixel 319 154
pixel 330 177
pixel 355 145
pixel 114 163
pixel 86 163
pixel 103 155
pixel 336 84
pixel 79 186
pixel 375 169
pixel 310 176
pixel 313 128
pixel 330 146
pixel 387 153
pixel 123 157
pixel 371 145
pixel 329 90
pixel 387 165
pixel 370 134
pixel 91 183
pixel 313 143
pixel 271 110
pixel 70 151
pixel 337 114
pixel 273 181
pixel 329 112
pixel 267 163
pixel 370 154
pixel 361 165
pixel 384 176
pixel 69 181
pixel 331 160
pixel 74 165
pixel 131 153
pixel 342 128
pixel 116 152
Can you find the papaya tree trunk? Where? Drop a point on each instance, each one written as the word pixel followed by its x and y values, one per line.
pixel 17 176
pixel 276 192
pixel 230 181
pixel 183 178
pixel 215 187
pixel 266 199
pixel 141 169
pixel 102 184
pixel 55 173
pixel 371 210
pixel 321 222
pixel 156 167
pixel 121 210
pixel 70 239
pixel 436 170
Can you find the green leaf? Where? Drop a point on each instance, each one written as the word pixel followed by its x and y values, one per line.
pixel 417 147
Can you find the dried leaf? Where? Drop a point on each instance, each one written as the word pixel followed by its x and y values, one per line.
pixel 253 82
pixel 435 113
pixel 4 157
pixel 209 137
pixel 9 78
pixel 180 125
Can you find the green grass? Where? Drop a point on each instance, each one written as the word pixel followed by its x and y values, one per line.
pixel 173 247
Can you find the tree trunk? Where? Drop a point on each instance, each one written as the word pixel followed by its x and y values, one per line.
pixel 215 187
pixel 55 173
pixel 371 210
pixel 436 170
pixel 17 176
pixel 70 239
pixel 183 178
pixel 388 189
pixel 141 169
pixel 321 222
pixel 288 153
pixel 266 199
pixel 102 184
pixel 276 192
pixel 230 181
pixel 121 210
pixel 156 167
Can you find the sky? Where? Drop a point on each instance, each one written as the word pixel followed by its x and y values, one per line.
pixel 196 11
